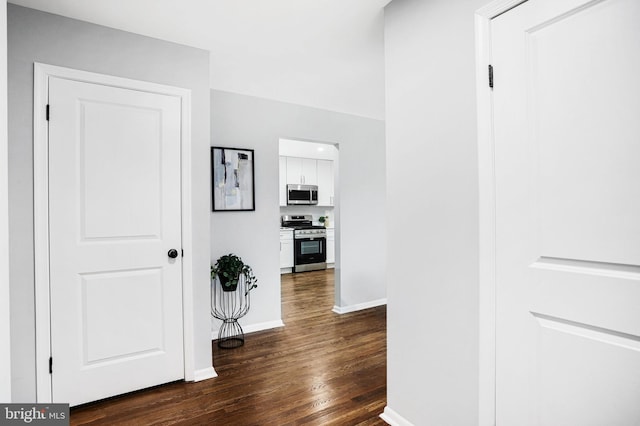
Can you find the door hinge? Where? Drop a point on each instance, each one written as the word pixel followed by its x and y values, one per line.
pixel 491 76
pixel 47 113
pixel 50 365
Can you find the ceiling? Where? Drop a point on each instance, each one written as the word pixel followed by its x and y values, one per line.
pixel 326 54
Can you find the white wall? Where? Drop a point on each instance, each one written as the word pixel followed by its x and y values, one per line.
pixel 42 37
pixel 432 198
pixel 5 331
pixel 249 122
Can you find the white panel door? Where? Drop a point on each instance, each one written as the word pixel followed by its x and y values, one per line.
pixel 567 152
pixel 116 295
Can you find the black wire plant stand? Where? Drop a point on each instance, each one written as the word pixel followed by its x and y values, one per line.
pixel 229 306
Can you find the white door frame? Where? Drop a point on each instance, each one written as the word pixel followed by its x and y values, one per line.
pixel 42 72
pixel 487 211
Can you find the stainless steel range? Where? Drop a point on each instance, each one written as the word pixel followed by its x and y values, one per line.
pixel 310 243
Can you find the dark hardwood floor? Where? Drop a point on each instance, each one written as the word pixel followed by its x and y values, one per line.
pixel 320 369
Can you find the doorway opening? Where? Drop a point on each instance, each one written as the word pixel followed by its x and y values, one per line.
pixel 303 162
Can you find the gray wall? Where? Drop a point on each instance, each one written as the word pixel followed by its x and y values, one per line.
pixel 249 122
pixel 432 170
pixel 5 330
pixel 40 37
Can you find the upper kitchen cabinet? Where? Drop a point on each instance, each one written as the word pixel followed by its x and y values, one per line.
pixel 307 171
pixel 325 182
pixel 302 171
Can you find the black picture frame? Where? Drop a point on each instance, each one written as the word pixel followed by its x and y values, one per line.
pixel 232 179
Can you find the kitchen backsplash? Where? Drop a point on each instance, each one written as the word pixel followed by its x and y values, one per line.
pixel 314 211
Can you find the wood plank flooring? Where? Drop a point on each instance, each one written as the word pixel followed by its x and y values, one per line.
pixel 320 369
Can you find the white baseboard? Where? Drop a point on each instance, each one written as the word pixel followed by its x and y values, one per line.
pixel 359 306
pixel 252 328
pixel 204 374
pixel 393 418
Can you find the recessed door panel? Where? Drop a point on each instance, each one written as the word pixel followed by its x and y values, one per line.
pixel 590 390
pixel 120 169
pixel 131 324
pixel 587 143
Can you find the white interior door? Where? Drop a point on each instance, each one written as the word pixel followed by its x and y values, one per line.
pixel 114 211
pixel 567 151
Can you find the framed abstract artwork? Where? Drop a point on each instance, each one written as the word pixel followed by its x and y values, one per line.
pixel 232 179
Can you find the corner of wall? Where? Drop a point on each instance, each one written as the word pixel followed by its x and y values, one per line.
pixel 5 331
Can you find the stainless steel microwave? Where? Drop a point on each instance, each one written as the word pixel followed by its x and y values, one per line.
pixel 302 194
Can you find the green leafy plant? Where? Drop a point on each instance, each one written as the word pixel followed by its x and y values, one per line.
pixel 228 269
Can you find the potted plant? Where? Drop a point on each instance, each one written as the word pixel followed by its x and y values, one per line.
pixel 324 220
pixel 228 269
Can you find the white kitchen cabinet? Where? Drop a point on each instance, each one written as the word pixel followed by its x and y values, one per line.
pixel 331 247
pixel 286 249
pixel 283 181
pixel 302 171
pixel 307 171
pixel 310 171
pixel 325 182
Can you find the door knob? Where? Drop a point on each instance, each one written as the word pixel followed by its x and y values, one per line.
pixel 173 253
